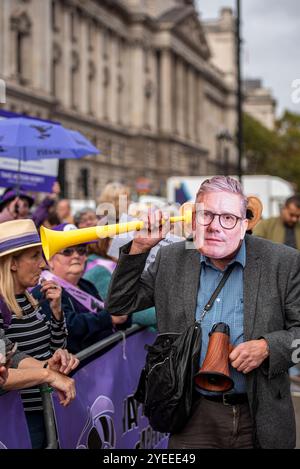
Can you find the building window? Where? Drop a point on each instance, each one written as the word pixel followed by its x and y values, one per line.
pixel 74 79
pixel 106 86
pixel 91 87
pixel 21 27
pixel 56 62
pixel 106 39
pixel 74 24
pixel 19 58
pixel 84 182
pixel 147 60
pixel 119 52
pixel 54 15
pixel 91 29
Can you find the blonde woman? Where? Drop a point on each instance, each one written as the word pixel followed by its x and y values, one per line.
pixel 20 317
pixel 113 201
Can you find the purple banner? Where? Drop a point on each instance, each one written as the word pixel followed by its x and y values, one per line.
pixel 30 182
pixel 13 427
pixel 104 414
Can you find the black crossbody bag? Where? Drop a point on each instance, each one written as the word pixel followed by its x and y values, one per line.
pixel 166 383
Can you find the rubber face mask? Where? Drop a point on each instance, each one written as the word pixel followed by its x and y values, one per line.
pixel 219 224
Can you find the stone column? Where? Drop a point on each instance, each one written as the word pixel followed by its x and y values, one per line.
pixel 126 92
pixel 137 85
pixel 99 76
pixel 180 98
pixel 65 84
pixel 120 79
pixel 200 108
pixel 83 71
pixel 166 91
pixel 113 104
pixel 191 103
pixel 196 107
pixel 6 51
pixel 153 99
pixel 41 45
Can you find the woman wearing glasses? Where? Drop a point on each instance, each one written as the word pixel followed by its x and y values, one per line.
pixel 87 321
pixel 20 316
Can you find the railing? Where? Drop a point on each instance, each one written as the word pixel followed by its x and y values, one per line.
pixel 50 427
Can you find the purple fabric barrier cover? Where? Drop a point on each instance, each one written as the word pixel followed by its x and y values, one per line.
pixel 13 427
pixel 104 414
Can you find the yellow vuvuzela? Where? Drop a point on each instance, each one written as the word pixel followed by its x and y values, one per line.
pixel 55 241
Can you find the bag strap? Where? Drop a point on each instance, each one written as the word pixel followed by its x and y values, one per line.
pixel 213 297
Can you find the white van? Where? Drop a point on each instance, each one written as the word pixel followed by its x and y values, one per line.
pixel 271 190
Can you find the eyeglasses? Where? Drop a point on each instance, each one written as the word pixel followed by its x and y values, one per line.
pixel 81 251
pixel 227 220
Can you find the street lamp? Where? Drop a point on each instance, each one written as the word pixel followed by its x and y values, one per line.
pixel 239 90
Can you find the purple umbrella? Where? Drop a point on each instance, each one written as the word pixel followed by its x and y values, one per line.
pixel 31 139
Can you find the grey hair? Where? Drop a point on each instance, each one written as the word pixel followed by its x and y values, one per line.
pixel 78 215
pixel 224 184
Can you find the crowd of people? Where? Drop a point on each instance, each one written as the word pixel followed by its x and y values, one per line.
pixel 40 308
pixel 46 307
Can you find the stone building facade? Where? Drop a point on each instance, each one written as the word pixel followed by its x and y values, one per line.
pixel 137 77
pixel 260 103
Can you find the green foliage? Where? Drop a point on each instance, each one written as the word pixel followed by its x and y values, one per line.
pixel 274 152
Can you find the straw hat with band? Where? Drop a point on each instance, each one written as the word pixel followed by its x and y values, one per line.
pixel 17 235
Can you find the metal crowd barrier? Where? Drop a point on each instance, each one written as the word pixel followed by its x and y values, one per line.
pixel 50 426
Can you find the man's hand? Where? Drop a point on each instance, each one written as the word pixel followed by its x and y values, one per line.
pixel 249 355
pixel 156 226
pixel 63 361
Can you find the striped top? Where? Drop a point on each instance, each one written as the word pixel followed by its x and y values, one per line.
pixel 37 337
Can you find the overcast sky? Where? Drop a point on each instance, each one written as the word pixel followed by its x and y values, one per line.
pixel 271 33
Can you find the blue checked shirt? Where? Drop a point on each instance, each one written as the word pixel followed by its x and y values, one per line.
pixel 228 307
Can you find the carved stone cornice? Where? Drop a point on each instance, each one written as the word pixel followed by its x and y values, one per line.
pixel 29 95
pixel 91 7
pixel 143 19
pixel 190 30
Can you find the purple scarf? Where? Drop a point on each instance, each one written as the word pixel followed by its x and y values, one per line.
pixel 92 304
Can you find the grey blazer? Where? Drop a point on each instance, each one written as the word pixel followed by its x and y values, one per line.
pixel 271 310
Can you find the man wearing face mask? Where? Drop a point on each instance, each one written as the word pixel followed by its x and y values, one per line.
pixel 260 302
pixel 285 228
